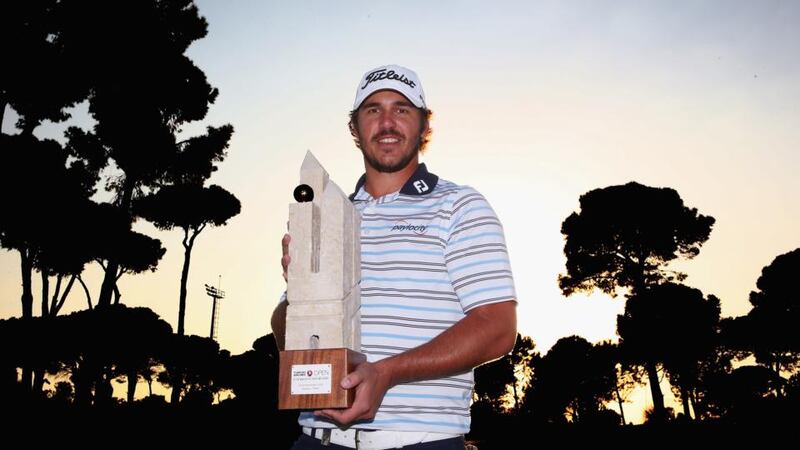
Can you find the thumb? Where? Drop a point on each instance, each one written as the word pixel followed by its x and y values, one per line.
pixel 352 380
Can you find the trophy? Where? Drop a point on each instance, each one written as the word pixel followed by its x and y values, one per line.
pixel 323 318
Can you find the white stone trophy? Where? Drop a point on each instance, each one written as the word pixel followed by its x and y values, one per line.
pixel 323 318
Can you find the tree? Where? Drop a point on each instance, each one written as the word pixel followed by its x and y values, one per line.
pixel 772 323
pixel 191 208
pixel 144 88
pixel 623 238
pixel 500 384
pixel 192 366
pixel 648 337
pixel 574 379
pixel 39 79
pixel 115 241
pixel 492 382
pixel 522 357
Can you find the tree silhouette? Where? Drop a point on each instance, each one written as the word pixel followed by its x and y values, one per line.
pixel 192 208
pixel 574 379
pixel 140 335
pixel 772 322
pixel 623 238
pixel 648 337
pixel 522 357
pixel 33 222
pixel 192 367
pixel 115 241
pixel 492 382
pixel 503 380
pixel 144 89
pixel 625 235
pixel 40 77
pixel 747 395
pixel 627 377
pixel 253 375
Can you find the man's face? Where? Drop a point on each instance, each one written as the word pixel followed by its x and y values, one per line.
pixel 389 131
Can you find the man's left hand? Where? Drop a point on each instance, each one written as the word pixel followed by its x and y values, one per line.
pixel 371 383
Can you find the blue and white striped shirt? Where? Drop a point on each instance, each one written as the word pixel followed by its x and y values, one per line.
pixel 429 253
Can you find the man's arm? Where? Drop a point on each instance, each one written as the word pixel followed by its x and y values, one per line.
pixel 486 333
pixel 278 321
pixel 279 324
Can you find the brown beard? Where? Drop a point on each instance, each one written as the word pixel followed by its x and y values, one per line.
pixel 387 168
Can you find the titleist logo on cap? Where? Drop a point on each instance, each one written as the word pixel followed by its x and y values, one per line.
pixel 383 74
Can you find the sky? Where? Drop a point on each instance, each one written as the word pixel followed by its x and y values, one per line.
pixel 535 103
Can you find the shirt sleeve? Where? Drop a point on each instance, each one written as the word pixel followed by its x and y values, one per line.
pixel 475 254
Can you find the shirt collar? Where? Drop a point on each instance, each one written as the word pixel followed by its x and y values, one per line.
pixel 421 182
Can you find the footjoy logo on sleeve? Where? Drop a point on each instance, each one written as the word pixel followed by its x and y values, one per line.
pixel 404 226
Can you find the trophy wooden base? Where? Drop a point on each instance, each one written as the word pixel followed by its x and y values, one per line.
pixel 309 379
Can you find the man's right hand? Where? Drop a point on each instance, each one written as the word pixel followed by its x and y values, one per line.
pixel 286 259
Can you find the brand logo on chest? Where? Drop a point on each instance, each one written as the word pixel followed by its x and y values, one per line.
pixel 405 226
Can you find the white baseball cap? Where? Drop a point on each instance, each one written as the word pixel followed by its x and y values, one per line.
pixel 397 78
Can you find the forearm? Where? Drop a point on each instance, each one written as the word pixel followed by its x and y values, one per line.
pixel 485 334
pixel 279 324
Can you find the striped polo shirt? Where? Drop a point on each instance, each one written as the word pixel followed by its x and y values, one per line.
pixel 430 252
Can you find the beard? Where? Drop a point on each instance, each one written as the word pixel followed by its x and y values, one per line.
pixel 397 166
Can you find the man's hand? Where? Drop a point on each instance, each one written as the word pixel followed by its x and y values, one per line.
pixel 286 259
pixel 371 382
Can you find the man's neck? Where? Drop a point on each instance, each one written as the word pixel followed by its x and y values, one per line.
pixel 379 184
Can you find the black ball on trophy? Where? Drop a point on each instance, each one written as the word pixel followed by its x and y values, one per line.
pixel 303 193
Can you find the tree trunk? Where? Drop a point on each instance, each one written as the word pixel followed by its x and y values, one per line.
pixel 133 379
pixel 112 268
pixel 54 301
pixel 26 266
pixel 188 245
pixel 109 281
pixel 187 256
pixel 177 387
pixel 86 291
pixel 619 401
pixel 60 304
pixel 659 412
pixel 38 382
pixel 685 400
pixel 83 387
pixel 693 402
pixel 45 292
pixel 103 392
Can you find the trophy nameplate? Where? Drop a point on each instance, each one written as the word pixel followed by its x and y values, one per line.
pixel 323 318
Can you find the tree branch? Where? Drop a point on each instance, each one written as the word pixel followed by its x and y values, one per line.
pixel 54 300
pixel 64 297
pixel 86 290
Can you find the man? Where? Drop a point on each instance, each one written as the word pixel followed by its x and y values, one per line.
pixel 437 294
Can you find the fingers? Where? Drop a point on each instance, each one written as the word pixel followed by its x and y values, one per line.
pixel 347 416
pixel 285 259
pixel 285 243
pixel 366 403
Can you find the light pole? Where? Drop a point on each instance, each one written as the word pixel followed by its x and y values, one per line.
pixel 216 294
